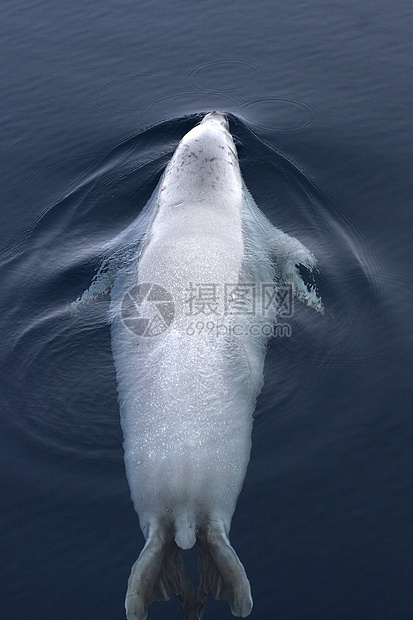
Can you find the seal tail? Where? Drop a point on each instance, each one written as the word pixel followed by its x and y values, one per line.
pixel 158 573
pixel 221 573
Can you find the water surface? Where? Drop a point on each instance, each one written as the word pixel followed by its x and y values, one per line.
pixel 94 99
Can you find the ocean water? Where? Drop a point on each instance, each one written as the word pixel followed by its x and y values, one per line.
pixel 94 99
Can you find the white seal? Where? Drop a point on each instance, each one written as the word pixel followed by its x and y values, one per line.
pixel 189 348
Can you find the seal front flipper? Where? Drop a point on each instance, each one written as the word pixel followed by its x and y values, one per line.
pixel 104 278
pixel 221 573
pixel 101 284
pixel 293 261
pixel 158 573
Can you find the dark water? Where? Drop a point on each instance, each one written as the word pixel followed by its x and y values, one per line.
pixel 94 99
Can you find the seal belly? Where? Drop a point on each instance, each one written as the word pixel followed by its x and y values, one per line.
pixel 186 410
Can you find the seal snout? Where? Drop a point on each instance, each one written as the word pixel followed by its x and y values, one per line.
pixel 218 117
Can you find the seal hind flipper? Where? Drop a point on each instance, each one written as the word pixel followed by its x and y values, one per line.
pixel 158 573
pixel 221 573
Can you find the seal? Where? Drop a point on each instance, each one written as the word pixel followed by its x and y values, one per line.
pixel 189 365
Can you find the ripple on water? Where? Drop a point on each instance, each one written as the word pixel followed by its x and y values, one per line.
pixel 278 114
pixel 231 75
pixel 62 376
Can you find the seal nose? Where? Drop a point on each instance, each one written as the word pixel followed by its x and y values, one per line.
pixel 218 117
